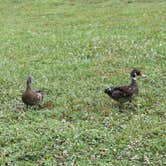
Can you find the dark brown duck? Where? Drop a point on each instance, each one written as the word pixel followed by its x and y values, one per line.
pixel 128 92
pixel 31 97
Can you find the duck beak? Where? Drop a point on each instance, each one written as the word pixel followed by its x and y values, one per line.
pixel 143 75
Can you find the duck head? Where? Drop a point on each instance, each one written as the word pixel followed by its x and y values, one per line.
pixel 29 80
pixel 108 90
pixel 136 72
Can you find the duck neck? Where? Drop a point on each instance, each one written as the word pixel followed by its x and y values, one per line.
pixel 133 81
pixel 28 86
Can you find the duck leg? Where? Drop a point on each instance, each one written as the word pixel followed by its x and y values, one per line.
pixel 39 106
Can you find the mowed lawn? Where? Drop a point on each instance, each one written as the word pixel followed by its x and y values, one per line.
pixel 74 49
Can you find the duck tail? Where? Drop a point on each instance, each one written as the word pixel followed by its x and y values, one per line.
pixel 41 92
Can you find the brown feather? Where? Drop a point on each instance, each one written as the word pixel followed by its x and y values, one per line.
pixel 31 97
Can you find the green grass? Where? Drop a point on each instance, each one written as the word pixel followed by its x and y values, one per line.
pixel 74 49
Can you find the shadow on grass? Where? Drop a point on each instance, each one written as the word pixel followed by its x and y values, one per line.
pixel 30 157
pixel 21 107
pixel 126 107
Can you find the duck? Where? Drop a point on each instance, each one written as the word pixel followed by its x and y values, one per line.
pixel 31 97
pixel 125 93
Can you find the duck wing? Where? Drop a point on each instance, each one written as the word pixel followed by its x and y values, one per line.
pixel 38 95
pixel 123 91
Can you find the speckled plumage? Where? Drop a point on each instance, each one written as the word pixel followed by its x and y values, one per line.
pixel 125 93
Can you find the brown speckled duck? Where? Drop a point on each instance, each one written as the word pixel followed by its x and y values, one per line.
pixel 31 97
pixel 125 93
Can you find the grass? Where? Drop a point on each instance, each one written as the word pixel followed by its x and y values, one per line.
pixel 75 49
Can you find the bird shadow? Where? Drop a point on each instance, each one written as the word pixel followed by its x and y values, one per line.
pixel 125 107
pixel 23 108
